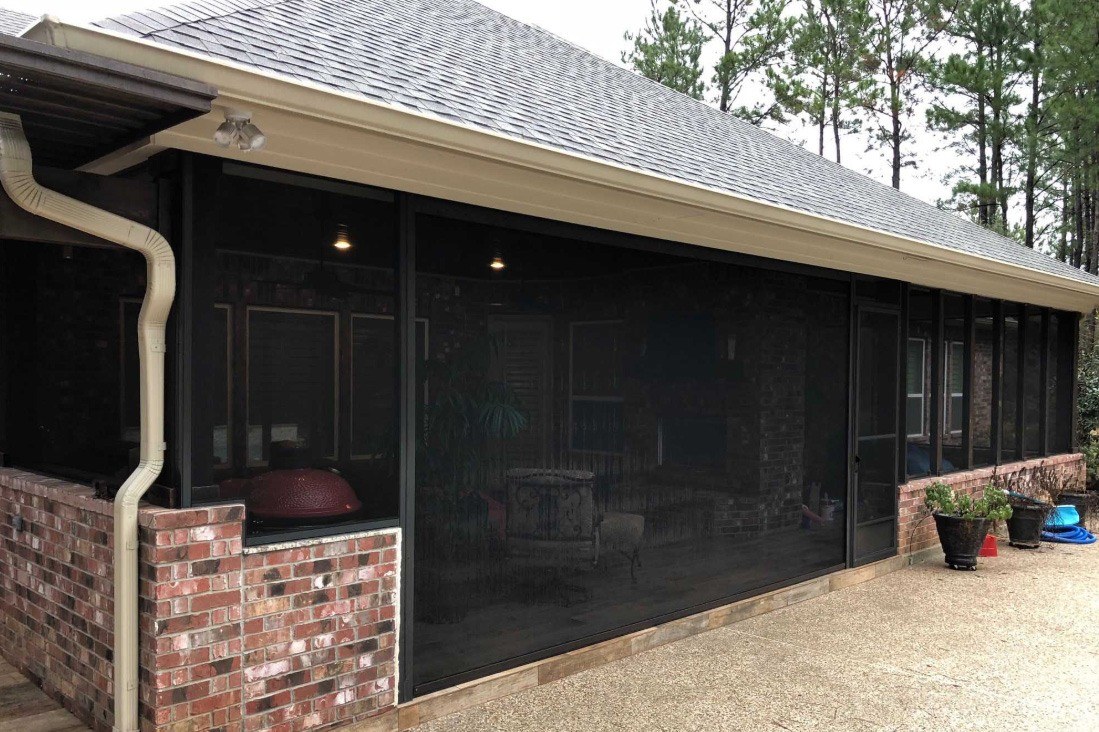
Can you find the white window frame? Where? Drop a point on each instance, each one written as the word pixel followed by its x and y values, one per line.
pixel 575 398
pixel 922 393
pixel 949 396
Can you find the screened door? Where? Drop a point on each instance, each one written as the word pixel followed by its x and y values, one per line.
pixel 875 470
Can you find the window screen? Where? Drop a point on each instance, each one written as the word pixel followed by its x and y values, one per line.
pixel 590 405
pixel 918 379
pixel 291 382
pixel 298 354
pixel 984 375
pixel 915 380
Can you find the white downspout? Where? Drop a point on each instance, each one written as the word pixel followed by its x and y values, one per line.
pixel 18 181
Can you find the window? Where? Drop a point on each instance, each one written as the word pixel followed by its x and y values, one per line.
pixel 955 388
pixel 952 427
pixel 595 381
pixel 916 389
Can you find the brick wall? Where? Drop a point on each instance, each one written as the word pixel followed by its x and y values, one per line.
pixel 56 592
pixel 287 638
pixel 917 528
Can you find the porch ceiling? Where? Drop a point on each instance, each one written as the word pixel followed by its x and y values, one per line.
pixel 77 106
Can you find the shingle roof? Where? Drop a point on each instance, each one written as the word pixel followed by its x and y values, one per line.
pixel 462 61
pixel 12 22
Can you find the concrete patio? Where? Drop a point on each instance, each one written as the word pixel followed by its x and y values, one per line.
pixel 1012 646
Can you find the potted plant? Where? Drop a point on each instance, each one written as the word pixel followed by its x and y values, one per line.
pixel 464 430
pixel 1030 505
pixel 1028 518
pixel 963 522
pixel 1049 484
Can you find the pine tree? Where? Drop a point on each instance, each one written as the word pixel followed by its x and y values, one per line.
pixel 667 49
pixel 901 37
pixel 754 35
pixel 977 97
pixel 826 79
pixel 1070 68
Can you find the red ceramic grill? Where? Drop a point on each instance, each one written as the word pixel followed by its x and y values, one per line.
pixel 301 493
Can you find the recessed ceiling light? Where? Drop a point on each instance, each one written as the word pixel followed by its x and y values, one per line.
pixel 342 241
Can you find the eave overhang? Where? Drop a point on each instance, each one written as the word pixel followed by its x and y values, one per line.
pixel 316 130
pixel 77 106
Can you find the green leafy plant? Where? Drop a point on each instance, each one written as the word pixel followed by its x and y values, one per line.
pixel 993 504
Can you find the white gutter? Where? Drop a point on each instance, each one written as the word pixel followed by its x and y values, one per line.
pixel 18 181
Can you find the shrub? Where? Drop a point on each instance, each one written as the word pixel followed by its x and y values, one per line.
pixel 993 504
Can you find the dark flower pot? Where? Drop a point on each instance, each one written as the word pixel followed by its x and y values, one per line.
pixel 1081 501
pixel 1024 528
pixel 961 539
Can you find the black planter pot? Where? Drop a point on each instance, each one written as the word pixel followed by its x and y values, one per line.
pixel 1081 501
pixel 1024 528
pixel 961 539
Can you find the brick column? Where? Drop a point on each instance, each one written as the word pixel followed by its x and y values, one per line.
pixel 191 618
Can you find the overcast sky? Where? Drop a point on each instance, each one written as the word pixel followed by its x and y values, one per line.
pixel 597 25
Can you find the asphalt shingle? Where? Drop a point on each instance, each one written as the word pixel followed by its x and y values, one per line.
pixel 460 60
pixel 12 22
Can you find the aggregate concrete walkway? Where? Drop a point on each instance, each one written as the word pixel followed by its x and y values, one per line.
pixel 1014 646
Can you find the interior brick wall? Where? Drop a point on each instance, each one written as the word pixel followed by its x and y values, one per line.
pixel 293 637
pixel 917 528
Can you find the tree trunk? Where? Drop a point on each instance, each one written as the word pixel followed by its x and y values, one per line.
pixel 1032 136
pixel 1077 219
pixel 822 120
pixel 984 217
pixel 998 135
pixel 726 92
pixel 1062 249
pixel 836 113
pixel 895 136
pixel 984 214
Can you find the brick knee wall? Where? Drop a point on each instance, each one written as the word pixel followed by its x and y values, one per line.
pixel 285 638
pixel 917 528
pixel 56 591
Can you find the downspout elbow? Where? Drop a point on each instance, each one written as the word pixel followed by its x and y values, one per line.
pixel 17 178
